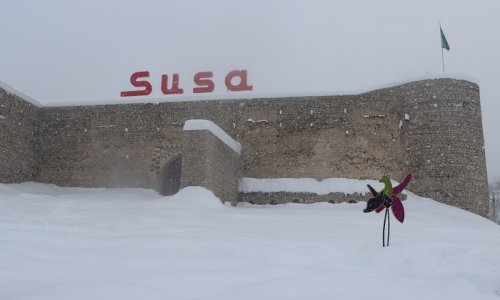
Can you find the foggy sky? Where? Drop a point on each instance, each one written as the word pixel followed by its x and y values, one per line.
pixel 64 51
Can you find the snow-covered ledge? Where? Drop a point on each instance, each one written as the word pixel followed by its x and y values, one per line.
pixel 9 89
pixel 309 185
pixel 211 159
pixel 216 130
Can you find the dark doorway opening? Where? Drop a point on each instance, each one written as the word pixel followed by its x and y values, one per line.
pixel 170 176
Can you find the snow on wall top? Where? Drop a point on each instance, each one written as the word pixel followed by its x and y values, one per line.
pixel 330 91
pixel 309 185
pixel 214 129
pixel 19 94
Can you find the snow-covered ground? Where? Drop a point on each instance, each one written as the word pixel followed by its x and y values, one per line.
pixel 74 243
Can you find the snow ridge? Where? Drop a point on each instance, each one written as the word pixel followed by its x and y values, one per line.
pixel 19 94
pixel 248 95
pixel 216 130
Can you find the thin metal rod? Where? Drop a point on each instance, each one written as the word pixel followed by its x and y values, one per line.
pixel 442 57
pixel 388 226
pixel 383 233
pixel 383 229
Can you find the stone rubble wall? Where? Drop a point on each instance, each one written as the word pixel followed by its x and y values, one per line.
pixel 210 163
pixel 18 143
pixel 263 198
pixel 431 128
pixel 445 144
pixel 273 198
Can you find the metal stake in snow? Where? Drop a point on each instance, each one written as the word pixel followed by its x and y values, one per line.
pixel 386 217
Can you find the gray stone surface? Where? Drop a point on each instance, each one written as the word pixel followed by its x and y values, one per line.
pixel 283 197
pixel 262 198
pixel 208 162
pixel 18 143
pixel 357 136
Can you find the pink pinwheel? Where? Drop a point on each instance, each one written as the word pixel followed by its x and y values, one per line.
pixel 385 199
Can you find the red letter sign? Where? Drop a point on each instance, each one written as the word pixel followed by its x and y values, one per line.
pixel 143 83
pixel 175 85
pixel 202 79
pixel 242 86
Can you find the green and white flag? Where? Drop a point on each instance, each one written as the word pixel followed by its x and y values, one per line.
pixel 444 42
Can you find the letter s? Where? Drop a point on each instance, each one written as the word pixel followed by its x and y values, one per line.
pixel 202 79
pixel 139 83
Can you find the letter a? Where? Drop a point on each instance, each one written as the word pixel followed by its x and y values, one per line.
pixel 242 86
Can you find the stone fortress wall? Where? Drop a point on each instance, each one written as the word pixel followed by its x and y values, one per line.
pixel 431 128
pixel 18 138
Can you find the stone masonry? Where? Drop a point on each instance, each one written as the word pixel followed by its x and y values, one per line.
pixel 18 133
pixel 304 198
pixel 431 128
pixel 210 163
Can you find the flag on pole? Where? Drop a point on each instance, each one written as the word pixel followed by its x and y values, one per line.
pixel 444 42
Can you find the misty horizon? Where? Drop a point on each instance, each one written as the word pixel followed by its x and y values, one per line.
pixel 61 53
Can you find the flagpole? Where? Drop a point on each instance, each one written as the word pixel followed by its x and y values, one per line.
pixel 442 57
pixel 442 51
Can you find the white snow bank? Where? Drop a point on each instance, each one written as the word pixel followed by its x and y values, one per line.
pixel 192 197
pixel 309 185
pixel 19 94
pixel 74 243
pixel 214 129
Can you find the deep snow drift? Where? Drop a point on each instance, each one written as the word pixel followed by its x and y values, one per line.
pixel 74 243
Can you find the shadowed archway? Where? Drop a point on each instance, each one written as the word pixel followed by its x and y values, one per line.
pixel 170 176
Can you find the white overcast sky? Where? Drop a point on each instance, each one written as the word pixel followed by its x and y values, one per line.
pixel 68 51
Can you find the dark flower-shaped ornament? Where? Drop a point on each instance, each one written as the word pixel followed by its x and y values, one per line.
pixel 388 197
